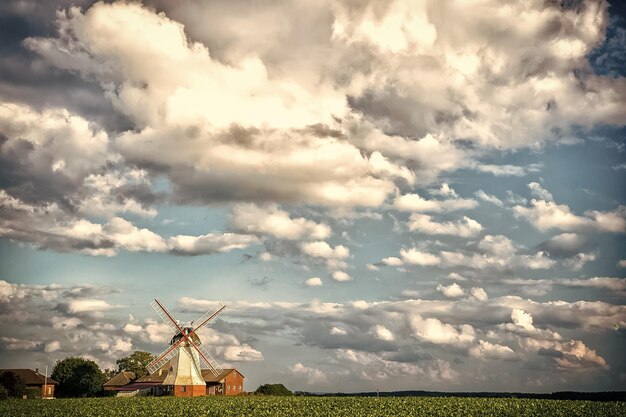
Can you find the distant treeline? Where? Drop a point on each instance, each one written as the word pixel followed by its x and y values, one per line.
pixel 561 395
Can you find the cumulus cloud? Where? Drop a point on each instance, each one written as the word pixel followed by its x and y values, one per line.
pixel 313 282
pixel 313 375
pixel 479 294
pixel 415 257
pixel 209 243
pixel 453 290
pixel 341 276
pixel 239 133
pixel 489 198
pixel 334 257
pixel 382 333
pixel 416 203
pixel 88 306
pixel 487 350
pixel 546 215
pixel 434 331
pixel 508 170
pixel 424 223
pixel 538 191
pixel 494 252
pixel 252 219
pixel 607 283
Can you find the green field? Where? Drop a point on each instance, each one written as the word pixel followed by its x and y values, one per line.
pixel 308 406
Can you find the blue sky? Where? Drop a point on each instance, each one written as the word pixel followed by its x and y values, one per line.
pixel 396 195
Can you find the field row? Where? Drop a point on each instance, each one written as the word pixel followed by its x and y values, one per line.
pixel 307 406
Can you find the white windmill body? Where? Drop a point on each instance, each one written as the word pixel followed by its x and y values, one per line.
pixel 185 354
pixel 185 368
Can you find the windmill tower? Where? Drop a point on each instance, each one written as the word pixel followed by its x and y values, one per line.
pixel 185 352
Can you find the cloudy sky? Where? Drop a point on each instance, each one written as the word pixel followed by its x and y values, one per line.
pixel 386 194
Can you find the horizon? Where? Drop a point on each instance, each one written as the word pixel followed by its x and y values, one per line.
pixel 420 195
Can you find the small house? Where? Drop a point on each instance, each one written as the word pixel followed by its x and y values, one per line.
pixel 34 380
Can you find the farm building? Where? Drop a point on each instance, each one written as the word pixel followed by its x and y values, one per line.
pixel 119 380
pixel 227 382
pixel 35 380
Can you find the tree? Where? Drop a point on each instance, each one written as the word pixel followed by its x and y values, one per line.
pixel 136 363
pixel 78 377
pixel 13 384
pixel 273 389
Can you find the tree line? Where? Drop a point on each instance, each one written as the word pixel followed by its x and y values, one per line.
pixel 78 377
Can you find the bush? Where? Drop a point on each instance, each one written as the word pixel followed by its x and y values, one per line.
pixel 13 384
pixel 273 389
pixel 4 394
pixel 33 393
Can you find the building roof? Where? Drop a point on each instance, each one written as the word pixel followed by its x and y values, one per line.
pixel 207 374
pixel 120 379
pixel 30 377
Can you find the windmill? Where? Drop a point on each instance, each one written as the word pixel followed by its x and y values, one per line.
pixel 185 352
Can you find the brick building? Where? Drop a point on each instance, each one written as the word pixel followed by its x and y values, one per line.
pixel 228 382
pixel 35 380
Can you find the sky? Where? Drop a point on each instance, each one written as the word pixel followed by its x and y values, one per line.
pixel 393 195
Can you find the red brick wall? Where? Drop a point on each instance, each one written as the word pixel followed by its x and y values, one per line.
pixel 233 383
pixel 47 391
pixel 190 390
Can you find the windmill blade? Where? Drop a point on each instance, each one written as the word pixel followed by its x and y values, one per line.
pixel 162 359
pixel 208 316
pixel 166 316
pixel 215 367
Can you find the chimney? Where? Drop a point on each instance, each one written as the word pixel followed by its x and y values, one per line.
pixel 36 370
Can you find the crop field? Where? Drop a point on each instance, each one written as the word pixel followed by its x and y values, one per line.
pixel 308 406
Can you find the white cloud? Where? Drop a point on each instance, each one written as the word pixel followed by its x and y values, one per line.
pixel 413 202
pixel 538 191
pixel 314 375
pixel 453 290
pixel 434 331
pixel 415 257
pixel 522 319
pixel 545 215
pixel 252 219
pixel 497 245
pixel 507 170
pixel 334 257
pixel 479 294
pixel 392 261
pixel 424 223
pixel 132 328
pixel 489 198
pixel 209 243
pixel 241 353
pixel 382 333
pixel 338 331
pixel 487 350
pixel 313 282
pixel 341 276
pixel 52 346
pixel 88 305
pixel 324 250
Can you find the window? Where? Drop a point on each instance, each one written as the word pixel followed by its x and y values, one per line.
pixel 239 387
pixel 228 388
pixel 183 389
